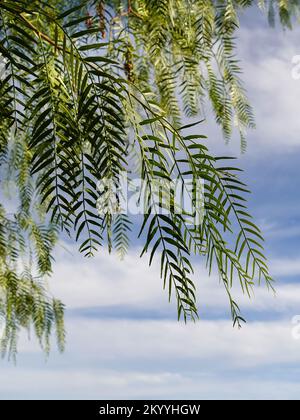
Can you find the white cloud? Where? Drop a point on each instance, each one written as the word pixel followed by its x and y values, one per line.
pixel 286 267
pixel 105 281
pixel 161 359
pixel 139 358
pixel 275 231
pixel 110 384
pixel 267 62
pixel 258 343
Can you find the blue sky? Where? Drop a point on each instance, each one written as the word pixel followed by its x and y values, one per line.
pixel 123 340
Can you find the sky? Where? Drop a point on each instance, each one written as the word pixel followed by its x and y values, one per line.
pixel 123 340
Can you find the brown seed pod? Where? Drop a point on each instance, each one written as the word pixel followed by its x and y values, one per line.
pixel 100 9
pixel 128 65
pixel 89 21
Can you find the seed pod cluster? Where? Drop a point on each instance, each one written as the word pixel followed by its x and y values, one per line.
pixel 100 9
pixel 128 64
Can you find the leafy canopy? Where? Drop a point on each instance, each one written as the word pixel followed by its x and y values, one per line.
pixel 94 88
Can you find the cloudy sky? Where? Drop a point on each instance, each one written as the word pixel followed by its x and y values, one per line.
pixel 123 340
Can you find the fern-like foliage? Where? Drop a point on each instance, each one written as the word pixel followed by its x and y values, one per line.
pixel 99 88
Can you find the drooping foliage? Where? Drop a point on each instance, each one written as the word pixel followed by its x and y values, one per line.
pixel 91 89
